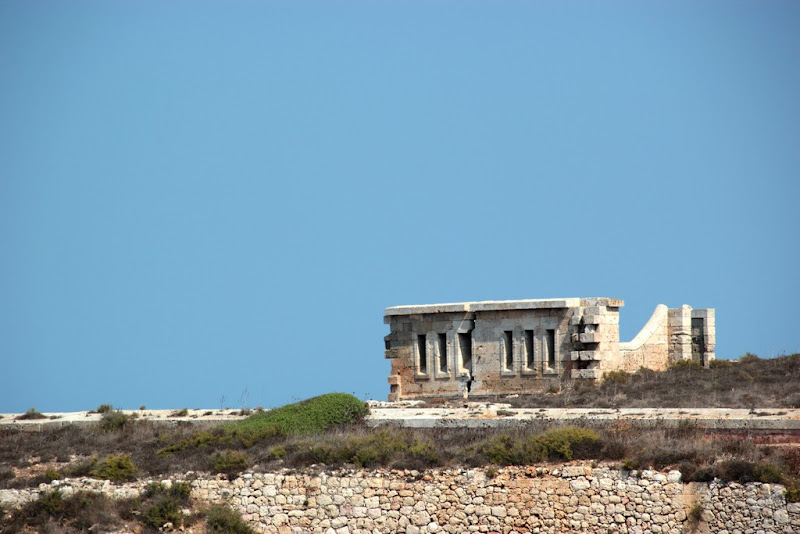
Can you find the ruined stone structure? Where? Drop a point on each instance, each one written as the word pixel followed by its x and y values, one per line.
pixel 520 346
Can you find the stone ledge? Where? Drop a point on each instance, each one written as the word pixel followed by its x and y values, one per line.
pixel 496 305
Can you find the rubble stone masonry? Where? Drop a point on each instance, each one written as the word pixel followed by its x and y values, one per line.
pixel 574 497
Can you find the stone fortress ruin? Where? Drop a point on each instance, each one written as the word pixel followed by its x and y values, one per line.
pixel 521 346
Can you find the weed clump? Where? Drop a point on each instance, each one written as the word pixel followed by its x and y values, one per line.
pixel 616 377
pixel 229 462
pixel 222 520
pixel 116 468
pixel 115 420
pixel 689 365
pixel 31 414
pixel 388 446
pixel 104 408
pixel 162 504
pixel 52 512
pixel 557 444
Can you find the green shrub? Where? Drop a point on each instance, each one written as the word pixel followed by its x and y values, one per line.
pixel 52 474
pixel 142 407
pixel 745 471
pixel 103 408
pixel 566 442
pixel 51 502
pixel 559 443
pixel 6 473
pixel 180 413
pixel 115 420
pixel 792 491
pixel 310 416
pixel 164 504
pixel 616 377
pixel 686 364
pixel 719 364
pixel 31 414
pixel 388 446
pixel 222 520
pixel 82 511
pixel 229 462
pixel 116 468
pixel 631 464
pixel 277 452
pixel 749 358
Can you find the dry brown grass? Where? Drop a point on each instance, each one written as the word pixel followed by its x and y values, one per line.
pixel 749 383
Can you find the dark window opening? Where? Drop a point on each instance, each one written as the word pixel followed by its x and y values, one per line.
pixel 551 349
pixel 465 349
pixel 423 355
pixel 698 339
pixel 443 353
pixel 508 344
pixel 529 351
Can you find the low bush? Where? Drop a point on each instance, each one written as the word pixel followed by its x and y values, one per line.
pixel 222 520
pixel 749 358
pixel 616 377
pixel 556 444
pixel 310 416
pixel 744 471
pixel 115 420
pixel 387 446
pixel 161 504
pixel 31 414
pixel 51 474
pixel 116 468
pixel 686 364
pixel 229 462
pixel 276 453
pixel 104 408
pixel 792 491
pixel 719 364
pixel 52 512
pixel 6 473
pixel 180 413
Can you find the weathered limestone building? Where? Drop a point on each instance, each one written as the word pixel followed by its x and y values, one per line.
pixel 519 346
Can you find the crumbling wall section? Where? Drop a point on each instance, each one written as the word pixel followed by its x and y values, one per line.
pixel 680 334
pixel 650 347
pixel 596 342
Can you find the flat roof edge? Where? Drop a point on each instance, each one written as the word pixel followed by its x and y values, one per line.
pixel 501 305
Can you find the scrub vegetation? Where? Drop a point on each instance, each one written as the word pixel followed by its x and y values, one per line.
pixel 751 382
pixel 329 431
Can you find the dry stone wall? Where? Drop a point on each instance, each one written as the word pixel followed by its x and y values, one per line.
pixel 568 498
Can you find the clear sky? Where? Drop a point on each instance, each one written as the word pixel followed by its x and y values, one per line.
pixel 208 204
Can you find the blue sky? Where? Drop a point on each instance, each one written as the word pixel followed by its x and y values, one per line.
pixel 208 204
